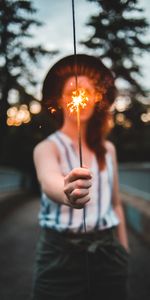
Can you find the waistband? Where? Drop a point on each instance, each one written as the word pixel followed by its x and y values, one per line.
pixel 85 235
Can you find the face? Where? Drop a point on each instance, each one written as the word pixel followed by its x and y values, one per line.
pixel 83 84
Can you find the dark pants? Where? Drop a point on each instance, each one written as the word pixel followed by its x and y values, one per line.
pixel 71 267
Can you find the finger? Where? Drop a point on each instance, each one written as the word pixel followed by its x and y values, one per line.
pixel 82 183
pixel 68 188
pixel 79 173
pixel 85 167
pixel 78 184
pixel 78 193
pixel 80 203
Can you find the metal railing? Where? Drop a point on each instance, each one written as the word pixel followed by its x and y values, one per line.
pixel 11 179
pixel 134 178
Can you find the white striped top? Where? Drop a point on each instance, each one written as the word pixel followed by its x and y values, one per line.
pixel 98 211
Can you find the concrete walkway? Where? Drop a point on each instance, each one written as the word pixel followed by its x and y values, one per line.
pixel 19 233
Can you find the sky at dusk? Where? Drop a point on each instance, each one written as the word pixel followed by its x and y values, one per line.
pixel 56 32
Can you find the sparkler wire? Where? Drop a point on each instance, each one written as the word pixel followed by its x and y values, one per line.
pixel 79 134
pixel 79 128
pixel 74 39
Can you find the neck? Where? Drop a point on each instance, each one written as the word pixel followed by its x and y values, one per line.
pixel 71 129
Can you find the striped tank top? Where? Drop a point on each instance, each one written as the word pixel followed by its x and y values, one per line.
pixel 99 211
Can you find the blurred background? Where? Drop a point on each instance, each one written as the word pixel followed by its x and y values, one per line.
pixel 33 36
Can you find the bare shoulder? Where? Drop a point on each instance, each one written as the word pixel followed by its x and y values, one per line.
pixel 45 147
pixel 110 147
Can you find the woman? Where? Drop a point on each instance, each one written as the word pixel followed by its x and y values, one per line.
pixel 77 259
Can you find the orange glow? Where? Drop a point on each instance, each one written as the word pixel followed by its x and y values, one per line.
pixel 127 124
pixel 16 116
pixel 79 100
pixel 11 112
pixel 52 109
pixel 10 122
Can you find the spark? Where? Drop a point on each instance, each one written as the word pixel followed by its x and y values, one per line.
pixel 52 109
pixel 79 100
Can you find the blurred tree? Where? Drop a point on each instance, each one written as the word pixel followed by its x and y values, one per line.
pixel 119 30
pixel 119 38
pixel 17 58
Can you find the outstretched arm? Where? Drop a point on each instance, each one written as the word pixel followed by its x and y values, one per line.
pixel 72 189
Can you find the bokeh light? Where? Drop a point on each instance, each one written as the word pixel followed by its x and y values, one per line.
pixel 122 103
pixel 120 118
pixel 18 115
pixel 35 107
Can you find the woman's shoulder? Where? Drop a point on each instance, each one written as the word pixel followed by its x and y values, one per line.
pixel 110 147
pixel 46 145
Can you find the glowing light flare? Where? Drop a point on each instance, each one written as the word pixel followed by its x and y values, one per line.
pixel 23 107
pixel 35 107
pixel 79 100
pixel 123 121
pixel 120 118
pixel 28 119
pixel 10 121
pixel 127 124
pixel 12 111
pixel 17 123
pixel 21 114
pixel 16 116
pixel 122 103
pixel 52 109
pixel 144 118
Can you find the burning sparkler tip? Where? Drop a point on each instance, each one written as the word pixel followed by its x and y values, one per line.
pixel 79 99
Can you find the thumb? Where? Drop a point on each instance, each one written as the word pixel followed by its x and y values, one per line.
pixel 84 166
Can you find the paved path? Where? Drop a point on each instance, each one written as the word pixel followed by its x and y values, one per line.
pixel 18 235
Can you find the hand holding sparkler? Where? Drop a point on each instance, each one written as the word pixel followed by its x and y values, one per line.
pixel 76 187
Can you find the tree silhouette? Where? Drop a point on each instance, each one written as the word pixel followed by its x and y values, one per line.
pixel 17 58
pixel 119 28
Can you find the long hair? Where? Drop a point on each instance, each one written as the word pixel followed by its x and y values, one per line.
pixel 103 81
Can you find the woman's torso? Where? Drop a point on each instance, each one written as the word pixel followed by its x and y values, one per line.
pixel 99 211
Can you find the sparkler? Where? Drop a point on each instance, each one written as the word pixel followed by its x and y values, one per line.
pixel 76 95
pixel 79 97
pixel 79 100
